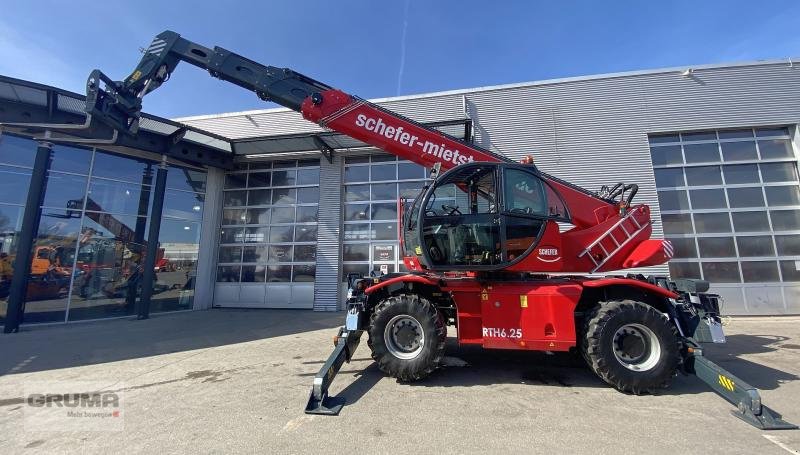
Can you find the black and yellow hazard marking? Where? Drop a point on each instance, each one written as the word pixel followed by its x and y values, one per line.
pixel 727 383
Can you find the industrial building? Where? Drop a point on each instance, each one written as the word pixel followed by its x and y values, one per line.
pixel 256 216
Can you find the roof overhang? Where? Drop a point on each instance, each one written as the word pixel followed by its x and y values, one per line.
pixel 315 143
pixel 36 106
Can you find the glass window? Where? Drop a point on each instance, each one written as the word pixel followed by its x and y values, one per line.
pixel 736 134
pixel 308 195
pixel 668 154
pixel 701 153
pixel 282 215
pixel 230 254
pixel 384 211
pixel 305 253
pixel 356 174
pixel 353 212
pixel 126 168
pixel 409 171
pixel 699 136
pixel 284 164
pixel 355 252
pixel 231 235
pixel 234 216
pixel 721 272
pixel 256 234
pixel 281 233
pixel 524 193
pixel 669 177
pixel 779 172
pixel 182 204
pixel 284 196
pixel 661 138
pixel 785 220
pixel 308 176
pixel 711 222
pixel 788 245
pixel 739 151
pixel 782 195
pixel 703 175
pixel 745 197
pixel 259 179
pixel 356 193
pixel 757 245
pixel 305 233
pixel 760 271
pixel 304 273
pixel 361 269
pixel 17 151
pixel 284 177
pixel 259 197
pixel 790 270
pixel 684 270
pixel 234 198
pixel 118 197
pixel 767 132
pixel 357 232
pixel 740 173
pixel 260 216
pixel 307 214
pixel 228 273
pixel 383 172
pixel 384 191
pixel 10 221
pixel 678 223
pixel 14 183
pixel 673 200
pixel 716 247
pixel 185 179
pixel 684 247
pixel 70 159
pixel 384 231
pixel 279 273
pixel 254 254
pixel 410 189
pixel 708 199
pixel 280 253
pixel 254 274
pixel 235 181
pixel 750 221
pixel 775 148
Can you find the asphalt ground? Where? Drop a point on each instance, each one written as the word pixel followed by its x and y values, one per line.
pixel 232 381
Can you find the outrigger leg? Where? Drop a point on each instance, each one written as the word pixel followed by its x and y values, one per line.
pixel 739 393
pixel 346 343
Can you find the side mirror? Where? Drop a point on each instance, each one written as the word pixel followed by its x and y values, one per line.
pixel 435 170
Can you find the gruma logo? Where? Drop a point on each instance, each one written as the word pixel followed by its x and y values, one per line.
pixel 73 406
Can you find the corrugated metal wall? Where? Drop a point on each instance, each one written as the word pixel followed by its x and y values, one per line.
pixel 329 242
pixel 589 131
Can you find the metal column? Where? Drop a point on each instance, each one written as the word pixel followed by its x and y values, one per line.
pixel 148 275
pixel 28 232
pixel 138 234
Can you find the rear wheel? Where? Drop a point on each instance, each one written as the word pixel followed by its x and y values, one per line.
pixel 407 336
pixel 631 346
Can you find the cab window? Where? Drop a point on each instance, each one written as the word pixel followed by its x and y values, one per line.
pixel 524 193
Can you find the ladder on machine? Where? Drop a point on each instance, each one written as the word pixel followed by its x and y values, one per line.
pixel 622 232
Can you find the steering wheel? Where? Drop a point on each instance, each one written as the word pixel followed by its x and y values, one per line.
pixel 451 210
pixel 526 210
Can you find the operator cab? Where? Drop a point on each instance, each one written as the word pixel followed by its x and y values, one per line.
pixel 481 216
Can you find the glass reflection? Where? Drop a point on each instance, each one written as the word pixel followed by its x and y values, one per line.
pixel 10 219
pixel 14 183
pixel 176 266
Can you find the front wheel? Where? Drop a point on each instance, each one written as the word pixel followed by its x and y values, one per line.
pixel 407 336
pixel 631 346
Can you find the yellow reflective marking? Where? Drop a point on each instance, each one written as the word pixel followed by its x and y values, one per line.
pixel 523 301
pixel 136 75
pixel 726 382
pixel 418 250
pixel 484 295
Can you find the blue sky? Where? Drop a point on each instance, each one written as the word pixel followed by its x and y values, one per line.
pixel 378 49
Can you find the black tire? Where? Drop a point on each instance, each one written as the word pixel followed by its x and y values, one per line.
pixel 600 333
pixel 430 351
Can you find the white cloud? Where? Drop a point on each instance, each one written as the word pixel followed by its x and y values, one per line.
pixel 21 56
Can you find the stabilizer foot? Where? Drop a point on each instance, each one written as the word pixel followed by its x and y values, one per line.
pixel 767 420
pixel 328 406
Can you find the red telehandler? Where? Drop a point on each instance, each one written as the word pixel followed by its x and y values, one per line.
pixel 484 248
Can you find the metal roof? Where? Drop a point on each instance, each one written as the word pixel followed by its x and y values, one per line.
pixel 24 102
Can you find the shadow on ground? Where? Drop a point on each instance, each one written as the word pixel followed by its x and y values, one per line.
pixel 71 345
pixel 484 368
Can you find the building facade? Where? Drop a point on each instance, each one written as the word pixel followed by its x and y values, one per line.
pixel 714 150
